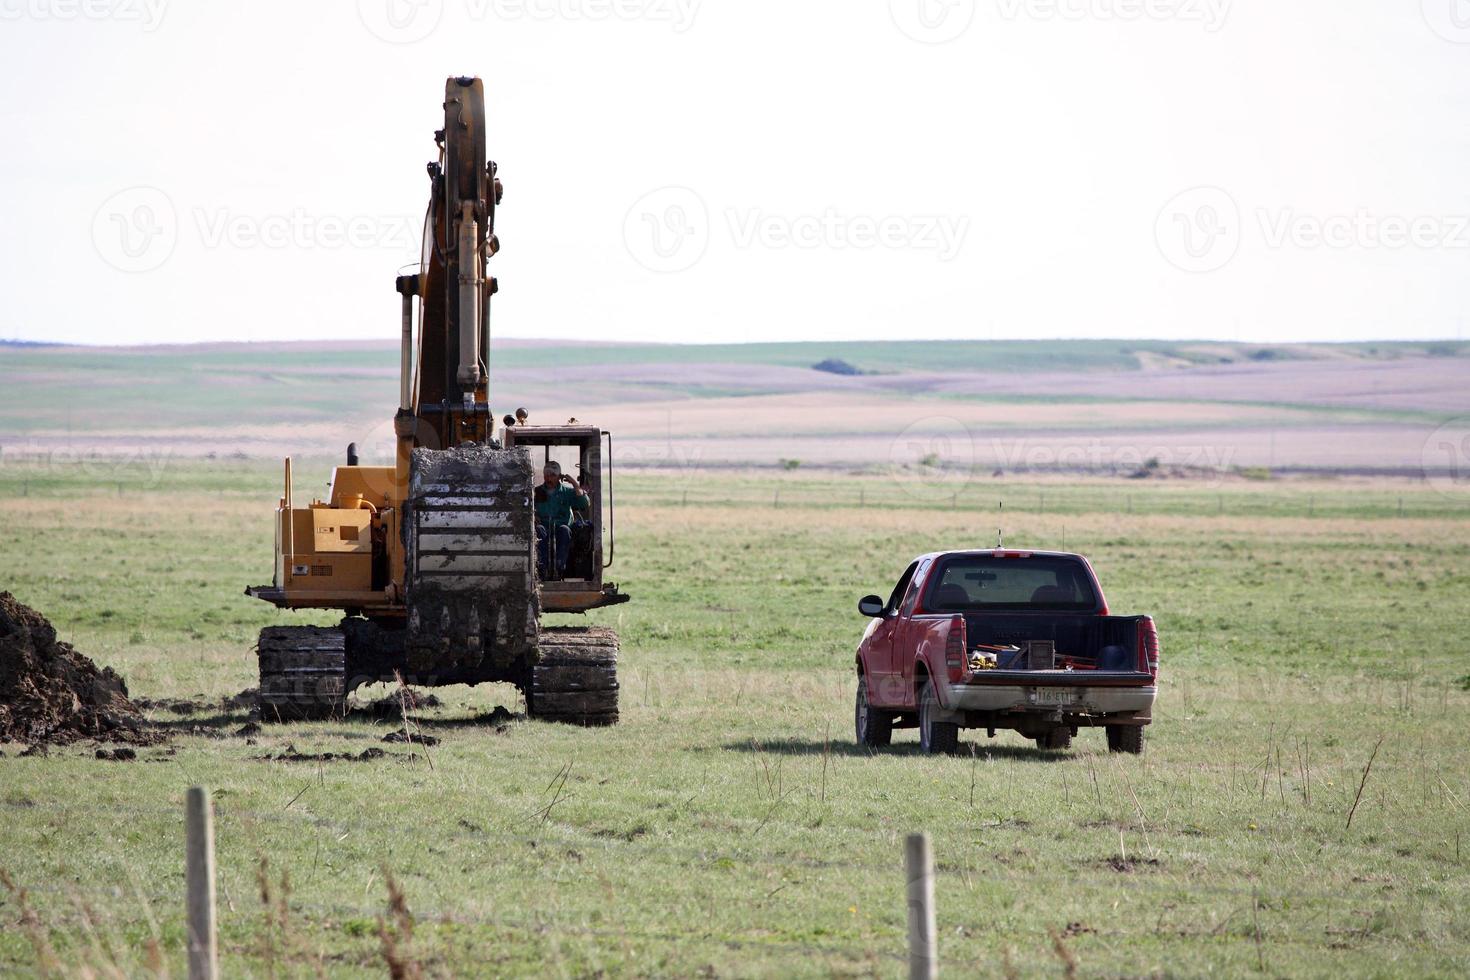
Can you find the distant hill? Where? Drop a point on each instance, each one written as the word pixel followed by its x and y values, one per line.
pixel 1367 404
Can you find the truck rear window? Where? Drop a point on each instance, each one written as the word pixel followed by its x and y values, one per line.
pixel 970 583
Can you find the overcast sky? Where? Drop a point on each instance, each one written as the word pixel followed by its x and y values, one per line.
pixel 701 170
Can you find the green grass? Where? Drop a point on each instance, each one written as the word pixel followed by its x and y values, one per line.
pixel 728 825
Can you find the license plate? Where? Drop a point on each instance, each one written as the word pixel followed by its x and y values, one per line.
pixel 1054 695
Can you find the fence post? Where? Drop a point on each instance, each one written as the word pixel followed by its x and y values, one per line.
pixel 199 868
pixel 923 946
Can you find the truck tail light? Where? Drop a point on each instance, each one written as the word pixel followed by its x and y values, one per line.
pixel 954 649
pixel 1148 647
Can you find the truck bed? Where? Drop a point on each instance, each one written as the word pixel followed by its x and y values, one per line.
pixel 1098 649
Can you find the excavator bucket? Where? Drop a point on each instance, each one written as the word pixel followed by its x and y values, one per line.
pixel 470 541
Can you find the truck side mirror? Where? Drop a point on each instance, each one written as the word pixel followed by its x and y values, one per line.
pixel 870 605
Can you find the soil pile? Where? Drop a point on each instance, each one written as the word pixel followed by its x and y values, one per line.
pixel 50 694
pixel 393 704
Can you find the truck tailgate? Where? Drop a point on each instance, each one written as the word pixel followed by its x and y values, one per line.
pixel 1061 678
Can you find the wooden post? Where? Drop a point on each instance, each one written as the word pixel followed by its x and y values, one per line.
pixel 923 945
pixel 199 868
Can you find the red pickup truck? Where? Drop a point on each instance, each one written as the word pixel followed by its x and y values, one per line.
pixel 1003 639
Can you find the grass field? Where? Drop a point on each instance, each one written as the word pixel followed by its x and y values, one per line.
pixel 728 826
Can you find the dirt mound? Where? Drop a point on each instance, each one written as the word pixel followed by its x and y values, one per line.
pixel 50 694
pixel 291 754
pixel 393 704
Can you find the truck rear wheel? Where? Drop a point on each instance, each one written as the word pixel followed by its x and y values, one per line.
pixel 303 673
pixel 575 680
pixel 873 726
pixel 1125 738
pixel 935 737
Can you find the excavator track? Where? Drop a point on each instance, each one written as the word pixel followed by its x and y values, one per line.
pixel 575 679
pixel 303 673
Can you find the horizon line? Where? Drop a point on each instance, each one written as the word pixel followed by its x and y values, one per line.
pixel 14 342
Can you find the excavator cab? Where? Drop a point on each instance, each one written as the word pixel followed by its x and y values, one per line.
pixel 585 452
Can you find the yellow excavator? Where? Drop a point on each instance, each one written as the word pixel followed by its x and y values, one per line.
pixel 444 562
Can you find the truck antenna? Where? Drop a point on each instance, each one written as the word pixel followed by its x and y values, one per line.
pixel 1000 538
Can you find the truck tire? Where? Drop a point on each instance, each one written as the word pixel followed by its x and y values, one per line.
pixel 1125 738
pixel 1056 740
pixel 935 737
pixel 303 673
pixel 873 726
pixel 575 680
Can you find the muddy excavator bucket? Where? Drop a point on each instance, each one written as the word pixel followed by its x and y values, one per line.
pixel 470 541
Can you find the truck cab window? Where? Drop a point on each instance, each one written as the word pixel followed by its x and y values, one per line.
pixel 914 589
pixel 899 590
pixel 975 582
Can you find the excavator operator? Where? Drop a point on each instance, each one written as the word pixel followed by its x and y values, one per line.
pixel 558 498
